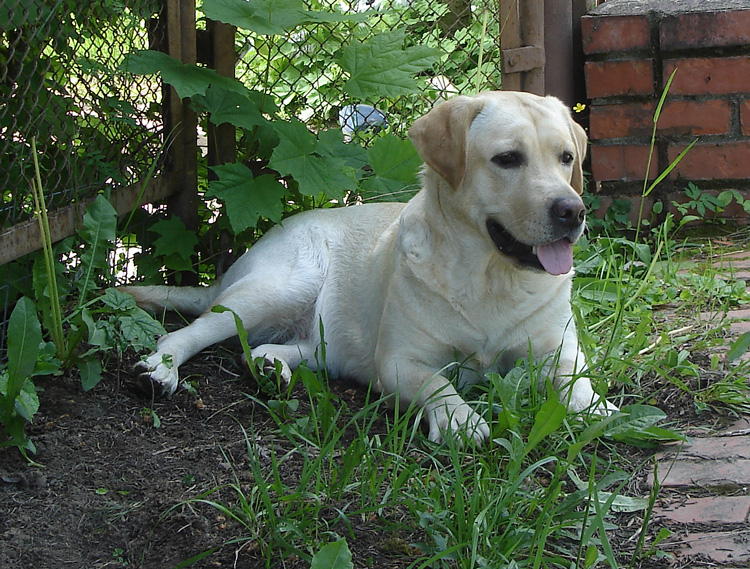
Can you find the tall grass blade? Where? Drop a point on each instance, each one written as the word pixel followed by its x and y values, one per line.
pixel 37 190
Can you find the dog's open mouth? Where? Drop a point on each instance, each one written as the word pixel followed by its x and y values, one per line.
pixel 556 258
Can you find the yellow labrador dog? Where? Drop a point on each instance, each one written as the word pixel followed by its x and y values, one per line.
pixel 478 263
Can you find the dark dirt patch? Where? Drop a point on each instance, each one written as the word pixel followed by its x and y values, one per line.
pixel 109 476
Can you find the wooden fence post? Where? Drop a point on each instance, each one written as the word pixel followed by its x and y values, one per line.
pixel 222 58
pixel 180 122
pixel 540 43
pixel 522 45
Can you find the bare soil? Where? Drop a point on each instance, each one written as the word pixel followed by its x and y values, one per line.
pixel 110 484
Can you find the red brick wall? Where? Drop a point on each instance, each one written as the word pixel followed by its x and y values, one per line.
pixel 632 47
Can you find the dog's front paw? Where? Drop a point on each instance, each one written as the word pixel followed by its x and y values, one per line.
pixel 452 417
pixel 156 377
pixel 593 404
pixel 267 364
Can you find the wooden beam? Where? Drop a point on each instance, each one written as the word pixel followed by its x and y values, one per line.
pixel 181 122
pixel 24 238
pixel 559 71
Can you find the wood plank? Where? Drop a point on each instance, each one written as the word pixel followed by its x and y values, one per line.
pixel 25 238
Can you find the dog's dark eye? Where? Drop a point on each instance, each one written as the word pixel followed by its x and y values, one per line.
pixel 567 158
pixel 510 159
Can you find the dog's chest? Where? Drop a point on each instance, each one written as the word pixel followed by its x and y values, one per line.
pixel 507 322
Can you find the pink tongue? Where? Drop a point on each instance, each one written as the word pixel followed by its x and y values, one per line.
pixel 557 257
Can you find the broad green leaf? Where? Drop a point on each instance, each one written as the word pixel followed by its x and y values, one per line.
pixel 591 556
pixel 27 401
pixel 331 143
pixel 271 17
pixel 24 338
pixel 617 502
pixel 636 426
pixel 97 336
pixel 174 238
pixel 395 159
pixel 738 347
pixel 382 67
pixel 139 329
pixel 264 17
pixel 187 79
pixel 335 555
pixel 548 419
pixel 91 372
pixel 246 199
pixel 593 431
pixel 295 141
pixel 314 168
pixel 232 107
pixel 99 230
pixel 636 417
pixel 118 300
pixel 395 163
pixel 649 437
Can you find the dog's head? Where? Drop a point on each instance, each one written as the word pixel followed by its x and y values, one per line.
pixel 513 166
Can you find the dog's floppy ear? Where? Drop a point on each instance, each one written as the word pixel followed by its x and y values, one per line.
pixel 440 136
pixel 580 138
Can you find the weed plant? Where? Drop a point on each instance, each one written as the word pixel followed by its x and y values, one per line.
pixel 542 493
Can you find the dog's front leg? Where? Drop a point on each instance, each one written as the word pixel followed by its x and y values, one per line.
pixel 446 411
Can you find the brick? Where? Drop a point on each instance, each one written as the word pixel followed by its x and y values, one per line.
pixel 738 328
pixel 713 447
pixel 724 509
pixel 602 34
pixel 709 75
pixel 703 473
pixel 676 118
pixel 709 161
pixel 741 424
pixel 612 78
pixel 742 256
pixel 720 547
pixel 621 162
pixel 620 121
pixel 696 117
pixel 745 117
pixel 705 29
pixel 737 316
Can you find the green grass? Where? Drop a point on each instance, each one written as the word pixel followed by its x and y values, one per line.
pixel 549 487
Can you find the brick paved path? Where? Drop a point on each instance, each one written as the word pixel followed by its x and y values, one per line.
pixel 708 480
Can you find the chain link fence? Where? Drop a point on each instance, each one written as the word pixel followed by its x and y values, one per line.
pixel 59 84
pixel 94 127
pixel 296 68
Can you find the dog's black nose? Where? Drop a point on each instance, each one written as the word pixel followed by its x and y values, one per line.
pixel 569 212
